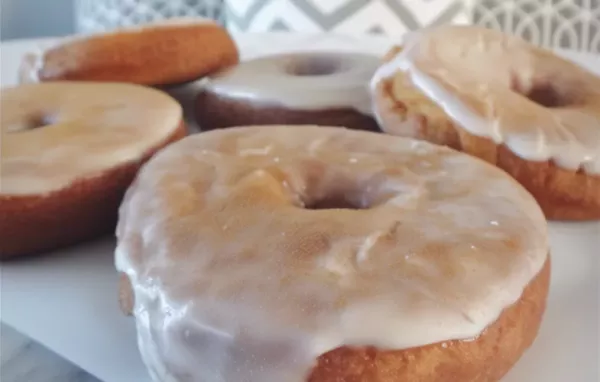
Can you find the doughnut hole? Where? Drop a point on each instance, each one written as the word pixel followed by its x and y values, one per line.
pixel 365 194
pixel 336 189
pixel 315 65
pixel 543 93
pixel 35 121
pixel 41 120
pixel 546 95
pixel 335 202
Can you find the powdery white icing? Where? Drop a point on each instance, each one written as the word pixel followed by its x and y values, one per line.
pixel 235 279
pixel 472 73
pixel 90 128
pixel 271 79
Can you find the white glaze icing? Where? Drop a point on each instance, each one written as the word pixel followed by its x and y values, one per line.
pixel 469 72
pixel 268 79
pixel 234 280
pixel 30 67
pixel 91 128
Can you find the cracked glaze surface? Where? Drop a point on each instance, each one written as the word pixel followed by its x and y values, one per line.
pixel 238 275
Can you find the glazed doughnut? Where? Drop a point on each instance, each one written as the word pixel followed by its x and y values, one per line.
pixel 264 254
pixel 324 88
pixel 164 53
pixel 68 153
pixel 494 96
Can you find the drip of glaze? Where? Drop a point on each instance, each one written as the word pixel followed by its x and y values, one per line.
pixel 503 100
pixel 252 251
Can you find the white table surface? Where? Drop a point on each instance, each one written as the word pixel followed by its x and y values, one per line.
pixel 24 360
pixel 67 300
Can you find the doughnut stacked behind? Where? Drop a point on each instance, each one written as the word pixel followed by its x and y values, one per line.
pixel 68 153
pixel 322 88
pixel 164 53
pixel 496 97
pixel 263 254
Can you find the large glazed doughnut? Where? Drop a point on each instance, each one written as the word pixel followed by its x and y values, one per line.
pixel 164 53
pixel 68 153
pixel 323 88
pixel 265 254
pixel 524 109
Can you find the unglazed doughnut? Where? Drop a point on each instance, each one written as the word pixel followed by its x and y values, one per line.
pixel 163 53
pixel 326 88
pixel 68 153
pixel 494 96
pixel 270 254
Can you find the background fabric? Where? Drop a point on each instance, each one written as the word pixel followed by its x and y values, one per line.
pixel 104 15
pixel 355 17
pixel 568 24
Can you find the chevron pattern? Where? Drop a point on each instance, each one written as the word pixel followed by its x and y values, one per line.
pixel 355 17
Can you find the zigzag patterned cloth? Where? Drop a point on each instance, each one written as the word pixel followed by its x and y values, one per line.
pixel 355 17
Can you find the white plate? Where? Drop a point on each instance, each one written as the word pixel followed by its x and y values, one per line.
pixel 68 300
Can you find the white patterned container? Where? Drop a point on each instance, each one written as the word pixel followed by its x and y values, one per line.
pixel 104 15
pixel 567 24
pixel 352 17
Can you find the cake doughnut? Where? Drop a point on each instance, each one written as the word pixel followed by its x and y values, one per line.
pixel 499 98
pixel 161 53
pixel 321 254
pixel 325 88
pixel 69 150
